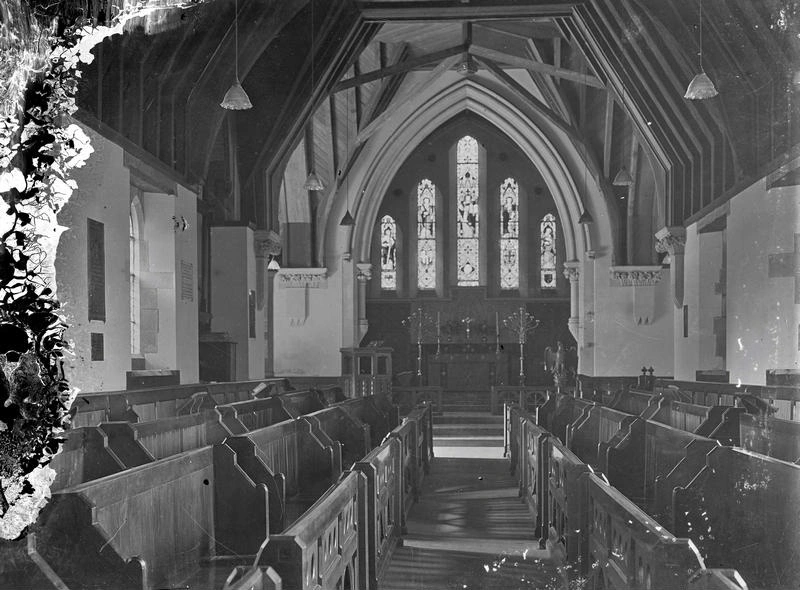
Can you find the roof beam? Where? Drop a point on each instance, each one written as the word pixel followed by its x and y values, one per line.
pixel 420 10
pixel 410 91
pixel 399 68
pixel 523 30
pixel 536 66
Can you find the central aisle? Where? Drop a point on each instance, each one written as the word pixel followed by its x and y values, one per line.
pixel 469 529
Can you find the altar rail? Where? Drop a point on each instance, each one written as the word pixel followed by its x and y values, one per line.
pixel 617 545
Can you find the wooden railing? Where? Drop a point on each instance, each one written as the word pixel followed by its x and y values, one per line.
pixel 528 398
pixel 409 397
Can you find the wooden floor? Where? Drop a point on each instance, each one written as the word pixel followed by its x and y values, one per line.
pixel 469 529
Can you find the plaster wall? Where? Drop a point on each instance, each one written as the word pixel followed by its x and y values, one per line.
pixel 186 306
pixel 233 276
pixel 762 317
pixel 307 323
pixel 711 299
pixel 687 348
pixel 621 345
pixel 103 195
pixel 158 317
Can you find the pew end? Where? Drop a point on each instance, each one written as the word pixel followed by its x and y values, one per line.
pixel 717 579
pixel 253 578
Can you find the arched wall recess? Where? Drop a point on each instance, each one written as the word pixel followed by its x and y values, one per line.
pixel 547 148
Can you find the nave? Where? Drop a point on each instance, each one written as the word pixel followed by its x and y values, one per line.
pixel 259 485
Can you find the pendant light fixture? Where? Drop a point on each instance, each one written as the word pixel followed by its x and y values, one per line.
pixel 701 86
pixel 623 178
pixel 236 98
pixel 347 219
pixel 313 183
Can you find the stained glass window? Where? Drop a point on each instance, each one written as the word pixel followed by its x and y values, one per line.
pixel 388 253
pixel 547 230
pixel 509 235
pixel 467 223
pixel 426 235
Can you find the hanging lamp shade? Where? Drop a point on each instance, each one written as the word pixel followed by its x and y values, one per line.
pixel 236 98
pixel 701 87
pixel 273 265
pixel 347 220
pixel 585 218
pixel 313 183
pixel 623 178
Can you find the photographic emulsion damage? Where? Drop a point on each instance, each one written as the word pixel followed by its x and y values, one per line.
pixel 399 294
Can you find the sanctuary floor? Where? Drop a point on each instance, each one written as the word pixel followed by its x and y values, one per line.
pixel 469 529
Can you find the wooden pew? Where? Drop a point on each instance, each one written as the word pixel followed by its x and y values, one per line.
pixel 146 405
pixel 596 424
pixel 148 527
pixel 83 457
pixel 366 410
pixel 741 509
pixel 770 436
pixel 253 578
pixel 785 400
pixel 339 425
pixel 409 397
pixel 370 502
pixel 299 403
pixel 326 547
pixel 383 469
pixel 171 436
pixel 626 548
pixel 241 417
pixel 632 550
pixel 295 462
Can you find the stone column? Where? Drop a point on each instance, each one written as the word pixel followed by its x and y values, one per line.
pixel 573 274
pixel 363 275
pixel 672 241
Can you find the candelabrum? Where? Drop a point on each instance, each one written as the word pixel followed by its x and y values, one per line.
pixel 521 323
pixel 418 324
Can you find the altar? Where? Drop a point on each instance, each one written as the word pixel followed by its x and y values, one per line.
pixel 468 371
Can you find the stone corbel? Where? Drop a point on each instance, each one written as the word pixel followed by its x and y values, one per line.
pixel 672 240
pixel 635 276
pixel 572 273
pixel 641 280
pixel 364 272
pixel 266 243
pixel 298 278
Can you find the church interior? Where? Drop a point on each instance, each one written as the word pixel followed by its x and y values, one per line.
pixel 429 294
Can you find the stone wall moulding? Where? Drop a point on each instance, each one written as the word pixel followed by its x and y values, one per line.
pixel 635 276
pixel 296 278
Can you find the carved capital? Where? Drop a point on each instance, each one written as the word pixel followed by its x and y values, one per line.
pixel 364 271
pixel 572 271
pixel 635 276
pixel 266 243
pixel 671 240
pixel 295 278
